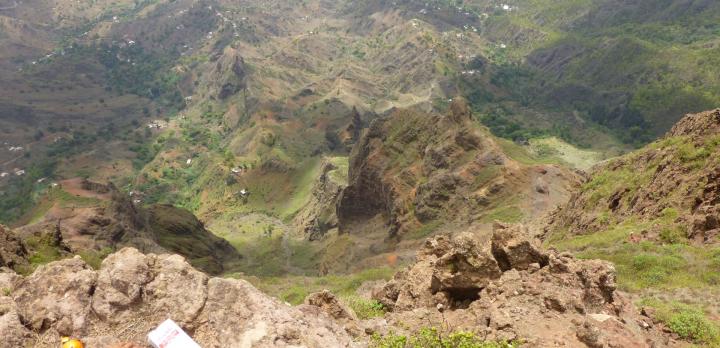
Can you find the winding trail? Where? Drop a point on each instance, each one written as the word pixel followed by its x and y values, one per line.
pixel 11 7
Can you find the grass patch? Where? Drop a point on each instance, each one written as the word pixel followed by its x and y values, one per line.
pixel 434 338
pixel 294 289
pixel 426 230
pixel 94 258
pixel 554 147
pixel 303 184
pixel 43 251
pixel 522 155
pixel 646 265
pixel 339 175
pixel 689 322
pixel 509 214
pixel 364 308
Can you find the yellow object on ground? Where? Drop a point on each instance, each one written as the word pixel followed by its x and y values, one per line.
pixel 68 342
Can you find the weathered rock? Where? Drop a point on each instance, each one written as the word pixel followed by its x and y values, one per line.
pixel 319 215
pixel 13 252
pixel 330 305
pixel 119 223
pixel 120 283
pixel 326 301
pixel 513 249
pixel 58 295
pixel 413 169
pixel 229 74
pixel 13 333
pixel 518 291
pixel 132 293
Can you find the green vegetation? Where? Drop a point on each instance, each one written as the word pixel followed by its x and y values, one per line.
pixel 689 322
pixel 364 308
pixel 294 289
pixel 646 265
pixel 434 338
pixel 141 73
pixel 43 251
pixel 425 230
pixel 659 58
pixel 505 213
pixel 94 258
pixel 522 155
pixel 340 175
pixel 22 193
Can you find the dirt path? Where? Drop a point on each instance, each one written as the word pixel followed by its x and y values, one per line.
pixel 11 161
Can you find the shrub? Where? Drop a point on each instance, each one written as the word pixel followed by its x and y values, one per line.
pixel 687 321
pixel 673 235
pixel 692 324
pixel 363 308
pixel 433 338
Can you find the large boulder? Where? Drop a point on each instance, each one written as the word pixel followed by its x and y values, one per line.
pixel 13 332
pixel 57 295
pixel 132 293
pixel 512 248
pixel 507 287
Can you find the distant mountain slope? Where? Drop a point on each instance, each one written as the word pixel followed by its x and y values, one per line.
pixel 90 219
pixel 629 66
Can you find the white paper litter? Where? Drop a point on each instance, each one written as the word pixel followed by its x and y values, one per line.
pixel 170 335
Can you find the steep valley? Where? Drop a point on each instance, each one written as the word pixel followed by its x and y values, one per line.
pixel 425 161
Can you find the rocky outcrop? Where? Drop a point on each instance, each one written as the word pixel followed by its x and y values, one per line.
pixel 329 304
pixel 319 215
pixel 132 293
pixel 416 169
pixel 509 288
pixel 672 182
pixel 415 159
pixel 697 125
pixel 120 223
pixel 13 252
pixel 229 75
pixel 351 133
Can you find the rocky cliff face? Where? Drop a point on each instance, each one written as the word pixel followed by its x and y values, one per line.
pixel 417 169
pixel 228 77
pixel 319 215
pixel 117 222
pixel 507 288
pixel 132 293
pixel 673 182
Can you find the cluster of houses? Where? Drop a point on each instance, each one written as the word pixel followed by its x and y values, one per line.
pixel 16 172
pixel 157 124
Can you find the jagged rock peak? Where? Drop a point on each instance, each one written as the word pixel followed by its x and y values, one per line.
pixel 697 124
pixel 460 110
